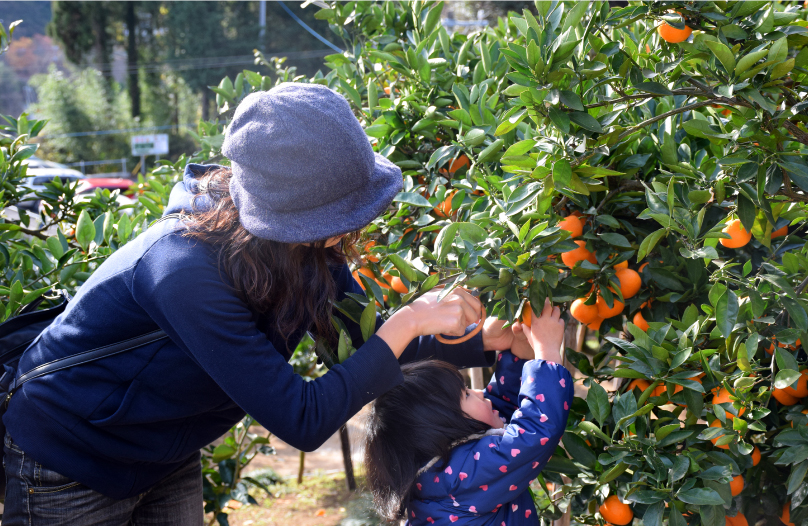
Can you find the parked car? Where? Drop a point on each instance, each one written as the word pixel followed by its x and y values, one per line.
pixel 40 172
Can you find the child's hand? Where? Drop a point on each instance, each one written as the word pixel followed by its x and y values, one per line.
pixel 520 346
pixel 545 334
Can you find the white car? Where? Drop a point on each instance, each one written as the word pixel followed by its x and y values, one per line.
pixel 40 172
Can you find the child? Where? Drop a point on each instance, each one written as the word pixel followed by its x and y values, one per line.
pixel 439 453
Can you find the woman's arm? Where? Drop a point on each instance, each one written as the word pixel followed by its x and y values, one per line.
pixel 472 353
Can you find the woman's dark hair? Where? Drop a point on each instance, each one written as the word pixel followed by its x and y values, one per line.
pixel 288 284
pixel 410 425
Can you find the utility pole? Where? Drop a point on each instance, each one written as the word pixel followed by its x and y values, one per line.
pixel 262 22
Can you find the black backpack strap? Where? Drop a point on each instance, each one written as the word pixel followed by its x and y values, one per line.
pixel 85 357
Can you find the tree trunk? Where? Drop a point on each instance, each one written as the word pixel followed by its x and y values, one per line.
pixel 300 467
pixel 131 56
pixel 346 458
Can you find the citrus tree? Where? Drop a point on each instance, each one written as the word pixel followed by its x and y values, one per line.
pixel 642 166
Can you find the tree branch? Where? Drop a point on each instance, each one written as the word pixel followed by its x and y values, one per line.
pixel 625 97
pixel 664 116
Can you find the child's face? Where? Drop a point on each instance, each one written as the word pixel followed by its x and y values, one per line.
pixel 478 407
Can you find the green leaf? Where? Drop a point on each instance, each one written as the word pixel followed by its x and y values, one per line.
pixel 786 378
pixel 649 243
pixel 560 119
pixel 592 429
pixel 55 247
pixel 726 313
pixel 700 496
pixel 598 402
pixel 412 198
pixel 368 321
pixel 403 267
pixel 585 121
pixel 748 61
pixel 616 240
pixel 85 230
pixel 796 312
pixel 723 54
pixel 654 87
pixel 562 173
pixel 343 352
pixel 223 452
pixel 571 100
pixel 797 476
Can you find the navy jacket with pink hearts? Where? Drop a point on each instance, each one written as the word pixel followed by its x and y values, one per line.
pixel 486 481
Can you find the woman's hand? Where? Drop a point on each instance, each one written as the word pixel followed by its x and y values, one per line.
pixel 427 316
pixel 545 334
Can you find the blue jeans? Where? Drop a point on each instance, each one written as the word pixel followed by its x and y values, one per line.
pixel 38 496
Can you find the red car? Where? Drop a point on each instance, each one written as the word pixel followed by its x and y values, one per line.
pixel 110 183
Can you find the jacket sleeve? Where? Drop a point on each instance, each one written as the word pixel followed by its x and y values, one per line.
pixel 466 354
pixel 496 469
pixel 181 288
pixel 503 389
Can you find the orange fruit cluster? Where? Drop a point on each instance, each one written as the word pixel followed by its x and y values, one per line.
pixel 791 395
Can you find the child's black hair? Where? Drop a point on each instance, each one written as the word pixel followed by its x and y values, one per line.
pixel 410 425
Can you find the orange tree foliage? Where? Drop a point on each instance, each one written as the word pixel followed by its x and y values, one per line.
pixel 575 108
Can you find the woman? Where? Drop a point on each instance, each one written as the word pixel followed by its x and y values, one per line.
pixel 255 260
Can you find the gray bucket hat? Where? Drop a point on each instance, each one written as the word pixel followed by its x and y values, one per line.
pixel 303 168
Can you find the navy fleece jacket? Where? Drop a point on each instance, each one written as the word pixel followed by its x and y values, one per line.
pixel 120 424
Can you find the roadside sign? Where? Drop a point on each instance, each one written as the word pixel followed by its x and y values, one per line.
pixel 155 144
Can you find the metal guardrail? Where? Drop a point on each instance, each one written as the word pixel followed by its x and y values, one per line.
pixel 84 164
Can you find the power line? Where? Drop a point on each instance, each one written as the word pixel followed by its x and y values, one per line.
pixel 198 63
pixel 113 132
pixel 314 33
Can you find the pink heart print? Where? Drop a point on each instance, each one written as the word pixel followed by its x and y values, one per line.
pixel 472 509
pixel 566 406
pixel 484 487
pixel 448 470
pixel 527 514
pixel 521 430
pixel 535 465
pixel 489 387
pixel 477 456
pixel 512 488
pixel 462 475
pixel 515 452
pixel 499 357
pixel 563 383
pixel 503 469
pixel 530 379
pixel 506 398
pixel 502 379
pixel 419 486
pixel 437 479
pixel 540 397
pixel 514 507
pixel 515 359
pixel 413 514
pixel 453 518
pixel 543 418
pixel 544 440
pixel 491 444
pixel 430 520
